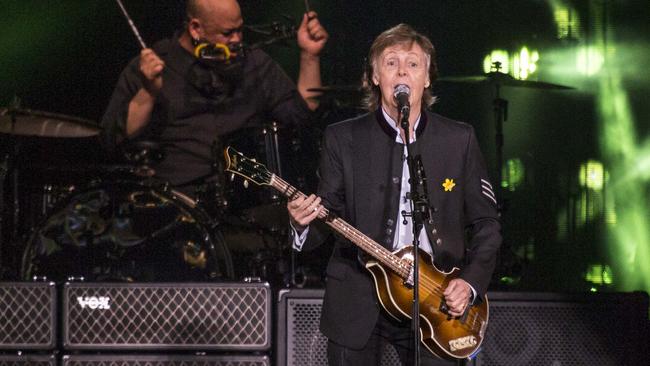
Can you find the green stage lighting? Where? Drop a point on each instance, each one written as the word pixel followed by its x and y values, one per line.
pixel 599 274
pixel 513 174
pixel 520 64
pixel 589 60
pixel 566 20
pixel 500 56
pixel 592 175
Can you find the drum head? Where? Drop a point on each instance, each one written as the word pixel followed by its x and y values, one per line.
pixel 124 231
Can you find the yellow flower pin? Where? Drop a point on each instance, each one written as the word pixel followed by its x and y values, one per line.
pixel 448 184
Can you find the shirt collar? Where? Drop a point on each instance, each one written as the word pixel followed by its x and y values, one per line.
pixel 393 131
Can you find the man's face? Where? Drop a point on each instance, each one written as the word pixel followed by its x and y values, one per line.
pixel 221 22
pixel 402 64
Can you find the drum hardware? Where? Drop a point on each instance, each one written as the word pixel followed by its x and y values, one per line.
pixel 20 126
pixel 27 122
pixel 304 276
pixel 340 97
pixel 126 231
pixel 143 155
pixel 337 89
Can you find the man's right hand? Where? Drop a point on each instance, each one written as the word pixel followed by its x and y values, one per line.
pixel 142 103
pixel 151 67
pixel 304 210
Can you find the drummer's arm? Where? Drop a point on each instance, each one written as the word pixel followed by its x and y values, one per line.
pixel 139 114
pixel 311 40
pixel 142 104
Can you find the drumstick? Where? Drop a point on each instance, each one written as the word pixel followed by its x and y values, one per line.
pixel 133 28
pixel 307 10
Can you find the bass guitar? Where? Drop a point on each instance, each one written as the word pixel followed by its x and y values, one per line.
pixel 443 335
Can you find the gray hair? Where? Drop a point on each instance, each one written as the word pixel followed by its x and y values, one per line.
pixel 402 34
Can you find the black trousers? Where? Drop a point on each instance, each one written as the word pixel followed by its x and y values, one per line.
pixel 387 331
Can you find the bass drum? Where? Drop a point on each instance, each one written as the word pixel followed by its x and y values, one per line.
pixel 126 231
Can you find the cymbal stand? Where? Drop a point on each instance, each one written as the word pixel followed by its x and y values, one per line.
pixel 272 149
pixel 500 109
pixel 274 163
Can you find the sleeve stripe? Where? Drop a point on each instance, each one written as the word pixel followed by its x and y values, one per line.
pixel 488 189
pixel 490 197
pixel 486 183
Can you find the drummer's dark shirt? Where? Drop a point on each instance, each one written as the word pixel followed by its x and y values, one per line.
pixel 195 108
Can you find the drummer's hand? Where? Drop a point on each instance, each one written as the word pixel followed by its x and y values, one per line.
pixel 457 296
pixel 151 67
pixel 311 36
pixel 303 210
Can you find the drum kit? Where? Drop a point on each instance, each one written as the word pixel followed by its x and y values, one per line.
pixel 72 213
pixel 75 216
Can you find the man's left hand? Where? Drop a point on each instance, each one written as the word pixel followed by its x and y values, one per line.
pixel 311 34
pixel 457 296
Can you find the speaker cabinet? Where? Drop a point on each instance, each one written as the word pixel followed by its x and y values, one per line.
pixel 552 329
pixel 27 360
pixel 27 315
pixel 167 316
pixel 299 342
pixel 164 360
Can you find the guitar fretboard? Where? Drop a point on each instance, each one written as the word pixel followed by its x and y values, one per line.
pixel 395 263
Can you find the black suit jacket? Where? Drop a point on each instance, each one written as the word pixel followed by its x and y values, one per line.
pixel 360 178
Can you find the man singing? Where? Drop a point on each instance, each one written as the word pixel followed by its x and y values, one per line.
pixel 364 180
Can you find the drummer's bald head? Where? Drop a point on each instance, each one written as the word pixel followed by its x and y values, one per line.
pixel 206 9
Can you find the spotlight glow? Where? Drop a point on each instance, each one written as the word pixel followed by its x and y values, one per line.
pixel 520 64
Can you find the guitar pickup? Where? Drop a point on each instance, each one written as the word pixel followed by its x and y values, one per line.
pixel 409 280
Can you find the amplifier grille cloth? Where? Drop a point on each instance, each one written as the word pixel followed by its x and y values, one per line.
pixel 563 333
pixel 307 345
pixel 27 360
pixel 168 360
pixel 169 317
pixel 26 315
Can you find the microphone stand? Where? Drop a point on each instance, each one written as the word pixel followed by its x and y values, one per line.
pixel 419 214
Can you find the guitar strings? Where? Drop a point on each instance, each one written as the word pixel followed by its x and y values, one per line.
pixel 351 232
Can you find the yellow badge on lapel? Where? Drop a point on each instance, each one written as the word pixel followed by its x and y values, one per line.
pixel 448 184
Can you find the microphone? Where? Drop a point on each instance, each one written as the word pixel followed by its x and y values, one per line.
pixel 401 95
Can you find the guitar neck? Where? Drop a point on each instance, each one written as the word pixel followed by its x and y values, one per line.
pixel 368 245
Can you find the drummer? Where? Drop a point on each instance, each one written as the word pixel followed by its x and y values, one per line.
pixel 202 83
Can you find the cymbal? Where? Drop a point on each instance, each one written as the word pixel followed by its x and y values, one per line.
pixel 336 89
pixel 26 122
pixel 501 79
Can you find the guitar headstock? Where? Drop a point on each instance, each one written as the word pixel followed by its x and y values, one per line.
pixel 239 164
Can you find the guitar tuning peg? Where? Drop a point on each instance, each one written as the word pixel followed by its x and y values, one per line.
pixel 232 177
pixel 246 183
